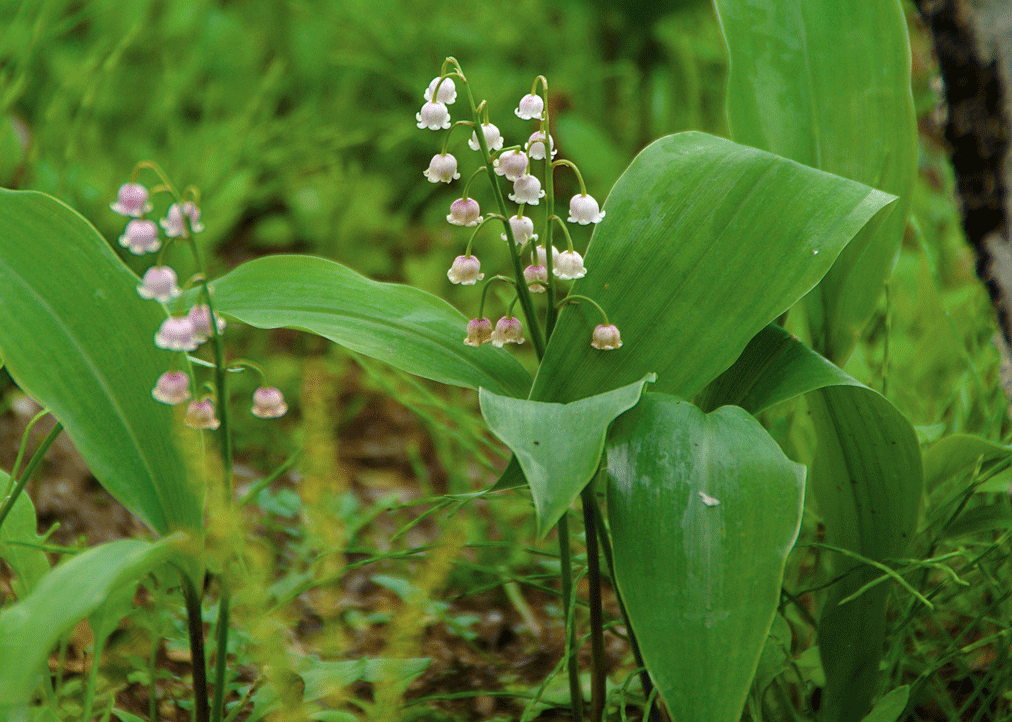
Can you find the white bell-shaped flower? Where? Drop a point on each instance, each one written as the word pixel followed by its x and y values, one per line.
pixel 523 230
pixel 176 334
pixel 447 91
pixel 140 237
pixel 493 138
pixel 536 276
pixel 433 116
pixel 583 209
pixel 535 145
pixel 465 270
pixel 479 331
pixel 606 338
pixel 200 415
pixel 269 403
pixel 512 164
pixel 507 330
pixel 159 283
pixel 131 200
pixel 527 189
pixel 465 212
pixel 531 107
pixel 442 168
pixel 569 266
pixel 172 388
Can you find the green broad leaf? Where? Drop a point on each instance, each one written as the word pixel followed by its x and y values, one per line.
pixel 980 520
pixel 704 243
pixel 19 544
pixel 403 326
pixel 70 592
pixel 867 479
pixel 558 446
pixel 835 96
pixel 77 338
pixel 704 509
pixel 957 454
pixel 890 707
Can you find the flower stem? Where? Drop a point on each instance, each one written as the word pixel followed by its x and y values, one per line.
pixel 29 470
pixel 566 567
pixel 598 678
pixel 196 630
pixel 221 653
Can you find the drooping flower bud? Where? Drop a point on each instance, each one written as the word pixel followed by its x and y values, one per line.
pixel 493 138
pixel 512 164
pixel 269 403
pixel 140 237
pixel 569 266
pixel 200 317
pixel 175 222
pixel 465 270
pixel 172 388
pixel 535 276
pixel 531 107
pixel 176 334
pixel 465 212
pixel 606 337
pixel 583 209
pixel 507 330
pixel 479 331
pixel 523 230
pixel 433 116
pixel 535 145
pixel 200 415
pixel 442 167
pixel 159 283
pixel 131 200
pixel 527 189
pixel 447 91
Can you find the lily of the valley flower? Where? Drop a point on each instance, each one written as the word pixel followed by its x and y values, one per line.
pixel 140 237
pixel 523 230
pixel 131 200
pixel 159 283
pixel 531 107
pixel 569 266
pixel 479 331
pixel 176 334
pixel 507 330
pixel 447 91
pixel 465 212
pixel 433 116
pixel 527 189
pixel 465 270
pixel 442 168
pixel 201 415
pixel 269 403
pixel 606 338
pixel 172 388
pixel 583 209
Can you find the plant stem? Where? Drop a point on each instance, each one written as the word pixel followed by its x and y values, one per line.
pixel 598 675
pixel 196 630
pixel 29 470
pixel 221 654
pixel 575 692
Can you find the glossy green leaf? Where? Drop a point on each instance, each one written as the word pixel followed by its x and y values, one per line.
pixel 17 537
pixel 558 446
pixel 704 243
pixel 890 707
pixel 957 454
pixel 403 326
pixel 867 479
pixel 836 96
pixel 76 337
pixel 704 509
pixel 67 594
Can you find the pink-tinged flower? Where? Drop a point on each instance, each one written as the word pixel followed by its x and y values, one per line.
pixel 140 237
pixel 512 164
pixel 159 283
pixel 493 138
pixel 176 334
pixel 543 257
pixel 479 331
pixel 569 266
pixel 535 276
pixel 465 270
pixel 442 167
pixel 523 230
pixel 535 145
pixel 531 107
pixel 433 116
pixel 173 388
pixel 200 415
pixel 447 91
pixel 583 209
pixel 200 317
pixel 507 330
pixel 175 221
pixel 131 200
pixel 527 189
pixel 465 212
pixel 269 403
pixel 606 337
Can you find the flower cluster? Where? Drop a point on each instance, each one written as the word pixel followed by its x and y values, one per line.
pixel 515 164
pixel 160 283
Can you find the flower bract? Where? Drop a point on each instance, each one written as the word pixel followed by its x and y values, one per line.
pixel 140 237
pixel 465 212
pixel 606 337
pixel 479 331
pixel 465 270
pixel 269 403
pixel 569 266
pixel 583 209
pixel 433 116
pixel 507 330
pixel 159 283
pixel 131 200
pixel 442 168
pixel 172 388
